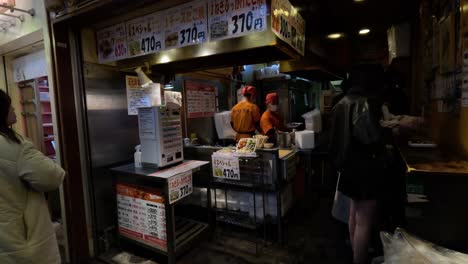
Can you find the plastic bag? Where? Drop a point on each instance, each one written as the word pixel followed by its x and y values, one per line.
pixel 127 258
pixel 402 247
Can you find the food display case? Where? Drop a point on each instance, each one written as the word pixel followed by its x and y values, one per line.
pixel 260 198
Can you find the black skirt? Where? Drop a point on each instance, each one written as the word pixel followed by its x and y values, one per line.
pixel 364 179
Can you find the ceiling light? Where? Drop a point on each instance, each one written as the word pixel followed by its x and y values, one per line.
pixel 364 31
pixel 335 35
pixel 359 1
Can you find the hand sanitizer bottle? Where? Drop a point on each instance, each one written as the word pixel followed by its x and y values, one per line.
pixel 137 157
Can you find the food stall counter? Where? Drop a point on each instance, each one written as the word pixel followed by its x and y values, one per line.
pixel 436 185
pixel 282 153
pixel 433 161
pixel 146 199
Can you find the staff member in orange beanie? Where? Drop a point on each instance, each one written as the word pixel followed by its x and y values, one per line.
pixel 271 120
pixel 245 115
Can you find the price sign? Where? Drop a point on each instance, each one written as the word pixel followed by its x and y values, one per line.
pixel 186 25
pixel 231 18
pixel 112 43
pixel 225 167
pixel 145 34
pixel 180 186
pixel 288 24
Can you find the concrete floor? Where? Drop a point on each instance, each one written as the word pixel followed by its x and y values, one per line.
pixel 312 236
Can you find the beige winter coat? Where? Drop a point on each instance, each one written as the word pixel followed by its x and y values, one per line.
pixel 26 232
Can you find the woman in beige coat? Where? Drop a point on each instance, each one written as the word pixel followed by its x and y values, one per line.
pixel 26 232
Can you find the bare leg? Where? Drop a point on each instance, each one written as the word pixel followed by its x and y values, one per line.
pixel 365 213
pixel 352 222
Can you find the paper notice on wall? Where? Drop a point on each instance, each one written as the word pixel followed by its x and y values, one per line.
pixel 145 34
pixel 231 18
pixel 288 24
pixel 138 96
pixel 186 25
pixel 142 215
pixel 112 43
pixel 201 99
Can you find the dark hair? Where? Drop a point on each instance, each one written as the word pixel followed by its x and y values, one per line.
pixel 366 79
pixel 248 95
pixel 5 130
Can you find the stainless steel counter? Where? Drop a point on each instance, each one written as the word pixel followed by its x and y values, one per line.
pixel 282 153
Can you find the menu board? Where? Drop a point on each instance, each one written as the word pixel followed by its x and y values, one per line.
pixel 142 215
pixel 288 24
pixel 201 99
pixel 197 22
pixel 112 43
pixel 186 25
pixel 231 18
pixel 145 34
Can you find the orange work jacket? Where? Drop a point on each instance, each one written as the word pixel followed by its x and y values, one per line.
pixel 271 120
pixel 244 116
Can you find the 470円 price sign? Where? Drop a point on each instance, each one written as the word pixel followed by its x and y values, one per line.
pixel 225 167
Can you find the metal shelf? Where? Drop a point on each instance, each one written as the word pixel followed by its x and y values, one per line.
pixel 186 231
pixel 242 186
pixel 240 219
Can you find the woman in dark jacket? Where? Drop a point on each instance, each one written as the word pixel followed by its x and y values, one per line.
pixel 358 152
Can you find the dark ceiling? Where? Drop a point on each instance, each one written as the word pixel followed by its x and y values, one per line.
pixel 347 16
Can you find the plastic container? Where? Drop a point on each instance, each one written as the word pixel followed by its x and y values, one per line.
pixel 305 139
pixel 313 121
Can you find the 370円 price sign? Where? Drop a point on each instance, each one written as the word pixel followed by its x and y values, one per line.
pixel 225 167
pixel 232 18
pixel 180 186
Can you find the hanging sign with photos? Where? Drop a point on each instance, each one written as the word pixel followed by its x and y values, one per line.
pixel 288 24
pixel 186 25
pixel 231 18
pixel 112 43
pixel 145 34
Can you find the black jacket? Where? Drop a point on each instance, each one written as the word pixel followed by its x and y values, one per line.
pixel 356 137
